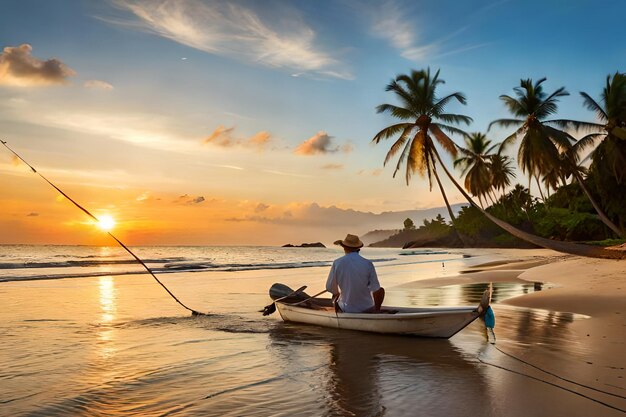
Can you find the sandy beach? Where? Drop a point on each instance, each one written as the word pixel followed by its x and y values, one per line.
pixel 593 288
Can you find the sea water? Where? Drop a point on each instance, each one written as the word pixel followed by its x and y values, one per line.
pixel 84 332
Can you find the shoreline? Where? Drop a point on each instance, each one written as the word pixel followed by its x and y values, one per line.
pixel 587 287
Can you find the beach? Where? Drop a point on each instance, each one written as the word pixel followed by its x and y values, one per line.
pixel 107 344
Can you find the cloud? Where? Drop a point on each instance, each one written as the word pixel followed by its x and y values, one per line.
pixel 231 29
pixel 334 218
pixel 187 199
pixel 98 85
pixel 392 22
pixel 261 207
pixel 223 137
pixel 32 214
pixel 320 143
pixel 332 166
pixel 19 68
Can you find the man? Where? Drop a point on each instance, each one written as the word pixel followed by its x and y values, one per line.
pixel 353 281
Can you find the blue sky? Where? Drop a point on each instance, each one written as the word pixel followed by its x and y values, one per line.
pixel 273 102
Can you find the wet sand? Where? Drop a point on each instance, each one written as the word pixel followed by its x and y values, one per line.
pixel 117 345
pixel 593 290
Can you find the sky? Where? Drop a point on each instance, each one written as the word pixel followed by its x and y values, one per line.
pixel 250 122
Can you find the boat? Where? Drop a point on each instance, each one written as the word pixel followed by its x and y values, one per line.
pixel 440 322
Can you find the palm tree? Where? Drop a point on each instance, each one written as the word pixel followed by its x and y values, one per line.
pixel 476 165
pixel 421 106
pixel 501 172
pixel 541 144
pixel 610 155
pixel 424 121
pixel 566 247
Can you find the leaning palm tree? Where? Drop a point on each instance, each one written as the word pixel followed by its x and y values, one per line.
pixel 476 165
pixel 542 144
pixel 420 107
pixel 424 122
pixel 610 155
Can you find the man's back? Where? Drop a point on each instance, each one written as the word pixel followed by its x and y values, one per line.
pixel 355 278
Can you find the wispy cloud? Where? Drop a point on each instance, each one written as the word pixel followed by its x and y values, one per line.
pixel 224 137
pixel 187 199
pixel 321 143
pixel 393 23
pixel 19 68
pixel 231 29
pixel 98 85
pixel 332 166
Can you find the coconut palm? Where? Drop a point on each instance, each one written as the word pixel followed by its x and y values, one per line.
pixel 540 142
pixel 542 145
pixel 476 164
pixel 501 172
pixel 426 116
pixel 566 247
pixel 424 122
pixel 610 155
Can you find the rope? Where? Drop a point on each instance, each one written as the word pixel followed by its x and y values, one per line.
pixel 84 210
pixel 560 377
pixel 553 384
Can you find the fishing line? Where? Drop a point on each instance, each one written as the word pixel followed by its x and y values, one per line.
pixel 194 312
pixel 551 384
pixel 559 377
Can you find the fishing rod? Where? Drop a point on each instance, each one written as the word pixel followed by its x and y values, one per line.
pixel 84 210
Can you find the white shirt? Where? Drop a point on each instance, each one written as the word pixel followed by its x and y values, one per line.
pixel 354 277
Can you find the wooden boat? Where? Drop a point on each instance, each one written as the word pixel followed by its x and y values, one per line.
pixel 442 322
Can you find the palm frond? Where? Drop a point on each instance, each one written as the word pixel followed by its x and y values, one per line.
pixel 509 140
pixel 455 118
pixel 402 157
pixel 444 140
pixel 593 105
pixel 573 124
pixel 505 123
pixel 397 145
pixel 439 106
pixel 390 131
pixel 451 129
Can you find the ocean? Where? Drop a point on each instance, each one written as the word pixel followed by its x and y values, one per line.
pixel 84 332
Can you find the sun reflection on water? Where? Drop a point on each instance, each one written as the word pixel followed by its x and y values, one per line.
pixel 108 309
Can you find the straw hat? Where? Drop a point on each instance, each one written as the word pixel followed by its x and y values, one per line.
pixel 351 241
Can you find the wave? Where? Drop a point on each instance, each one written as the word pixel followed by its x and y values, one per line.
pixel 177 267
pixel 424 252
pixel 82 263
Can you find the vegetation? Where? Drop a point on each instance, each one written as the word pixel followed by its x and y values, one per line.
pixel 579 204
pixel 424 117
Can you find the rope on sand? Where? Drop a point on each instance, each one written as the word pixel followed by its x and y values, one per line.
pixel 553 384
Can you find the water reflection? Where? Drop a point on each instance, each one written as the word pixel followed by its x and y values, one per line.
pixel 108 308
pixel 107 298
pixel 369 374
pixel 466 294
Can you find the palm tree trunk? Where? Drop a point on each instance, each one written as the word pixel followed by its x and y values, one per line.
pixel 539 188
pixel 565 247
pixel 598 209
pixel 445 198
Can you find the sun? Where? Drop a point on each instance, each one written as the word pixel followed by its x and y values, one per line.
pixel 106 223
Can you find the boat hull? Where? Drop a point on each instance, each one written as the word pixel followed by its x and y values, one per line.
pixel 442 322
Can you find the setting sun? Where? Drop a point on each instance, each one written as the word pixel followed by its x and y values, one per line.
pixel 106 223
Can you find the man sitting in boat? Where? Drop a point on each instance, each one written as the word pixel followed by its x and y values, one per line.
pixel 353 281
